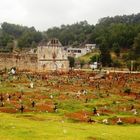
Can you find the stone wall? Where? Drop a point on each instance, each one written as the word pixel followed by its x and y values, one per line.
pixel 30 62
pixel 20 61
pixel 47 65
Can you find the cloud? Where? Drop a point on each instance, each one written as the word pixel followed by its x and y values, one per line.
pixel 12 11
pixel 47 13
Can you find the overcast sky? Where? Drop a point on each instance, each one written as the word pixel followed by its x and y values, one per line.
pixel 43 14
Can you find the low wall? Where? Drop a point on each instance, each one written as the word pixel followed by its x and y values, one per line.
pixel 20 61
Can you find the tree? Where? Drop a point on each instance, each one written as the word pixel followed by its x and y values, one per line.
pixel 71 61
pixel 10 46
pixel 74 34
pixel 5 39
pixel 82 63
pixel 116 49
pixel 15 30
pixel 105 54
pixel 95 58
pixel 136 46
pixel 29 39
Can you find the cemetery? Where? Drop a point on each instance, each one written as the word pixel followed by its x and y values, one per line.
pixel 97 105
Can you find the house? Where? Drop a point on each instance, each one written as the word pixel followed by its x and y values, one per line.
pixel 77 52
pixel 90 46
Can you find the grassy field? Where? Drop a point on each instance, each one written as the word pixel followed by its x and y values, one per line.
pixel 86 58
pixel 51 126
pixel 70 121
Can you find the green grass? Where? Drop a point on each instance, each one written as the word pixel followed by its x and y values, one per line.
pixel 51 126
pixel 87 57
pixel 56 126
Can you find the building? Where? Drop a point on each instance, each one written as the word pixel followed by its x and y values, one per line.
pixel 90 46
pixel 49 56
pixel 52 56
pixel 77 52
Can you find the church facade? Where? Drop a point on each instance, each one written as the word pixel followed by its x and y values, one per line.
pixel 52 56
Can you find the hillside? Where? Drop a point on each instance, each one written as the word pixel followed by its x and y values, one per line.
pixel 111 34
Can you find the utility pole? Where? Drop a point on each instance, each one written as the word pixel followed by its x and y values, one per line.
pixel 132 65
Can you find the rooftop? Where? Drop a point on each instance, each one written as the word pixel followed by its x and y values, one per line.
pixel 52 43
